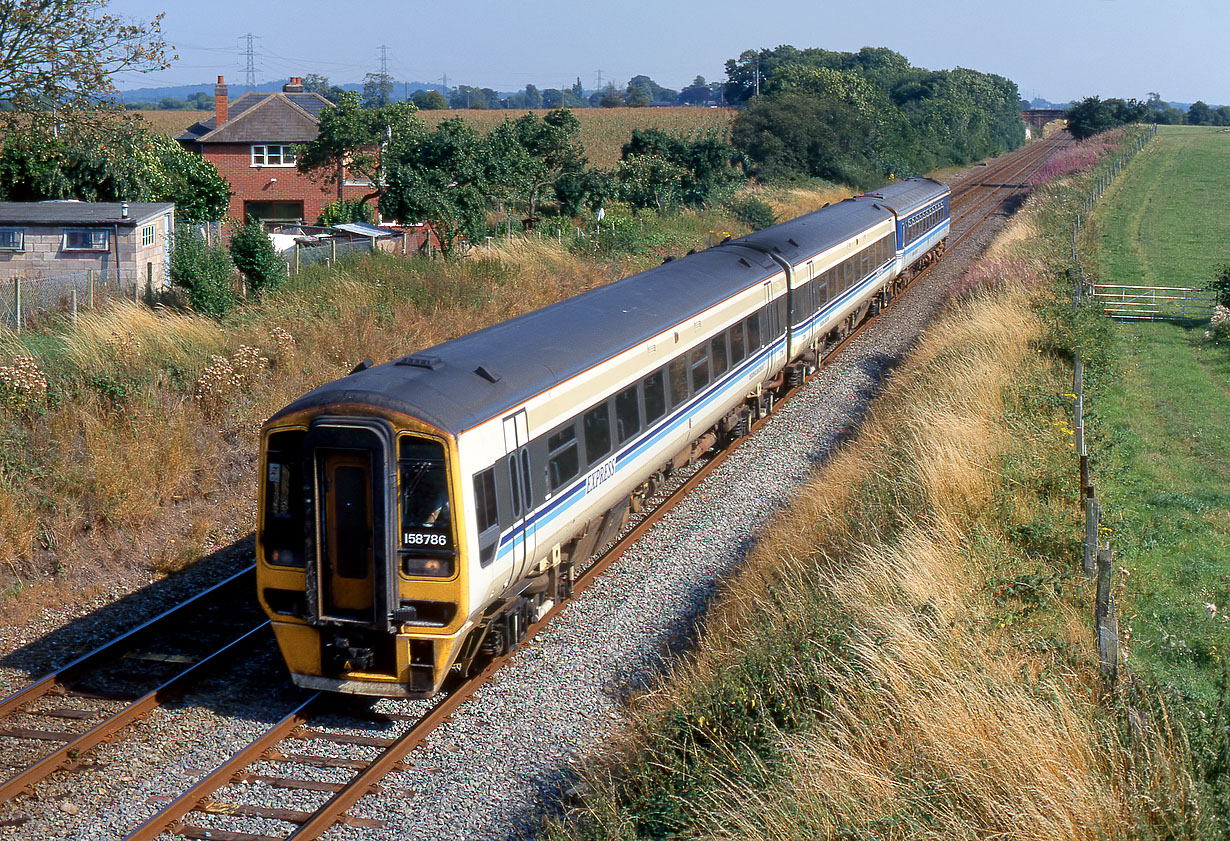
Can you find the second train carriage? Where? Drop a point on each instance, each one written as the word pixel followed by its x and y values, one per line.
pixel 421 513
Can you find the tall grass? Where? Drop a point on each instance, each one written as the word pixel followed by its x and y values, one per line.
pixel 903 655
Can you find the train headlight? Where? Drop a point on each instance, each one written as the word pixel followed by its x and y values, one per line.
pixel 430 566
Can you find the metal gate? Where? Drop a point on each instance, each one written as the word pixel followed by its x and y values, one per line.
pixel 1153 303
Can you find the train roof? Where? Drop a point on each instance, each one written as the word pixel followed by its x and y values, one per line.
pixel 904 197
pixel 456 385
pixel 815 232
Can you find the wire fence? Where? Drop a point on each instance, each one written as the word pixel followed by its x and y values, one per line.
pixel 25 300
pixel 303 255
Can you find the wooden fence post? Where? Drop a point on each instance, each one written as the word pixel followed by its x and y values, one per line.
pixel 90 294
pixel 17 302
pixel 74 297
pixel 1093 515
pixel 1107 624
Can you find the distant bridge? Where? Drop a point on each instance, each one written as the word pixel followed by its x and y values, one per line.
pixel 1036 118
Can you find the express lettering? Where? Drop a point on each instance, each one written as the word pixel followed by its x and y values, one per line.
pixel 605 471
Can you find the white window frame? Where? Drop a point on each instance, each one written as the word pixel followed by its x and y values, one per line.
pixel 148 235
pixel 21 239
pixel 94 236
pixel 263 154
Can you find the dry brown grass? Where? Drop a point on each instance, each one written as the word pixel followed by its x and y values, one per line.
pixel 937 720
pixel 789 202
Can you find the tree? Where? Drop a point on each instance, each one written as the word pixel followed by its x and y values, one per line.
pixel 253 254
pixel 650 180
pixel 114 160
pixel 697 93
pixel 437 180
pixel 316 83
pixel 429 100
pixel 62 54
pixel 1093 115
pixel 1200 114
pixel 355 141
pixel 553 147
pixel 706 165
pixel 377 90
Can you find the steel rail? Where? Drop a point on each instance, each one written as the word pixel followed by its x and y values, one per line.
pixel 70 751
pixel 363 783
pixel 49 681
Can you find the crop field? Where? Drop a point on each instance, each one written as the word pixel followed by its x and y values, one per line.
pixel 603 130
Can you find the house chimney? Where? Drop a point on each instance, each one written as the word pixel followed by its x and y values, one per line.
pixel 220 102
pixel 295 85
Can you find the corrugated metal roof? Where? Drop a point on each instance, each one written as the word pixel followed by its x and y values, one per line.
pixel 363 229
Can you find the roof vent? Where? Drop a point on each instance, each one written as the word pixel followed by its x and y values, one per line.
pixel 431 363
pixel 792 242
pixel 362 366
pixel 745 262
pixel 487 374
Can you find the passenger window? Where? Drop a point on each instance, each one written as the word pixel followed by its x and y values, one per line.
pixel 486 511
pixel 678 371
pixel 699 360
pixel 655 396
pixel 597 433
pixel 736 344
pixel 563 462
pixel 717 352
pixel 753 332
pixel 627 414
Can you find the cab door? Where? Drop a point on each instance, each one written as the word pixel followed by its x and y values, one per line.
pixel 517 470
pixel 347 589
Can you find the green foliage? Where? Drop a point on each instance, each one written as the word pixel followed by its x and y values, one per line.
pixel 860 117
pixel 689 171
pixel 340 211
pixel 205 271
pixel 429 100
pixel 752 212
pixel 109 160
pixel 591 188
pixel 1221 285
pixel 1093 115
pixel 254 255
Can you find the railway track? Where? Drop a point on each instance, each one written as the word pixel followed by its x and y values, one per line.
pixel 218 806
pixel 54 722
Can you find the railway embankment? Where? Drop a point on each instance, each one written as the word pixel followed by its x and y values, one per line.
pixel 909 649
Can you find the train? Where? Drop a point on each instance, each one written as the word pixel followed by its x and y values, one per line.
pixel 417 516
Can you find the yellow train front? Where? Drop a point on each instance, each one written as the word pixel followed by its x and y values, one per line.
pixel 358 557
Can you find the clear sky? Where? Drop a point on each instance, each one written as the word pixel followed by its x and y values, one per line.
pixel 1056 49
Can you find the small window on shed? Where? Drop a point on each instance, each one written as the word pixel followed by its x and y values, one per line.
pixel 655 396
pixel 12 239
pixel 563 461
pixel 86 239
pixel 597 433
pixel 627 414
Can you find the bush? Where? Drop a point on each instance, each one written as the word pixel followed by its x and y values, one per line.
pixel 752 212
pixel 205 271
pixel 253 253
pixel 341 211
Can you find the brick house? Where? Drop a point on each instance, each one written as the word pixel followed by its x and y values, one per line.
pixel 251 141
pixel 122 243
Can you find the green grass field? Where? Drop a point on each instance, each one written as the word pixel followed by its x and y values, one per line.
pixel 1162 447
pixel 1165 223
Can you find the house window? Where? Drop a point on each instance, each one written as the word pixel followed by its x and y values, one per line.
pixel 269 154
pixel 12 239
pixel 86 239
pixel 147 236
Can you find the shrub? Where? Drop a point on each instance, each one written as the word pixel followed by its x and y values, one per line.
pixel 205 271
pixel 253 253
pixel 340 211
pixel 753 212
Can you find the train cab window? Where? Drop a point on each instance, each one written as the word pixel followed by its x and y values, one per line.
pixel 698 362
pixel 737 350
pixel 753 332
pixel 281 532
pixel 655 396
pixel 678 371
pixel 717 353
pixel 597 433
pixel 563 462
pixel 515 483
pixel 627 414
pixel 426 516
